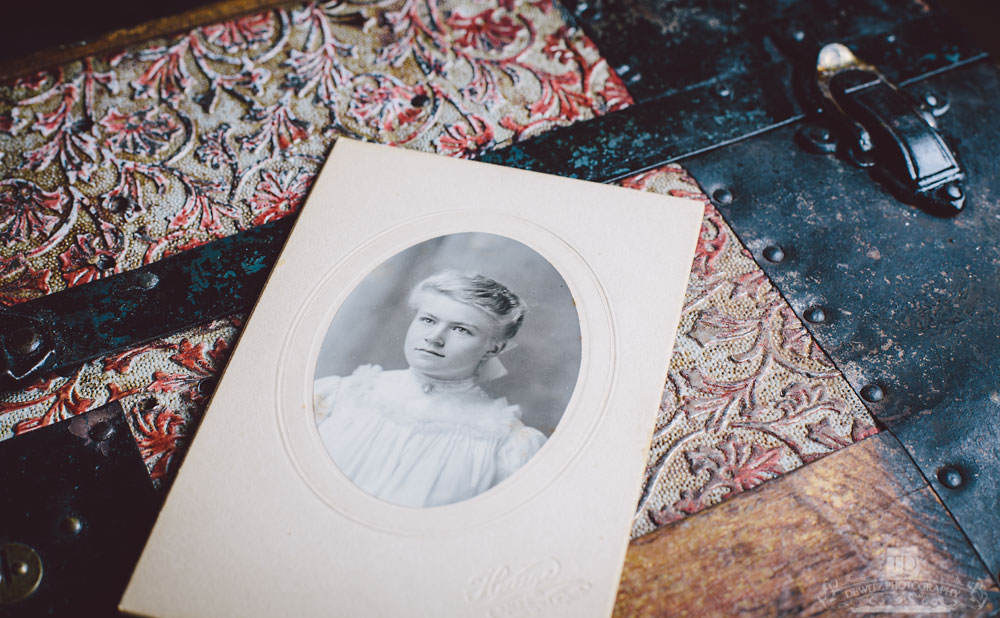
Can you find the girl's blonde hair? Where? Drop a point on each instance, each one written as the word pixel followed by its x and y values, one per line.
pixel 478 290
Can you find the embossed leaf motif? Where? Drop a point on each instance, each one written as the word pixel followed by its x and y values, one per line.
pixel 802 399
pixel 736 465
pixel 160 431
pixel 66 401
pixel 825 433
pixel 278 194
pixel 796 339
pixel 753 285
pixel 720 400
pixel 215 150
pixel 714 326
pixel 143 132
pixel 241 34
pixel 199 364
pixel 20 282
pixel 465 139
pixel 484 30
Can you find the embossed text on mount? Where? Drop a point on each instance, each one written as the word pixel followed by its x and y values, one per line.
pixel 528 590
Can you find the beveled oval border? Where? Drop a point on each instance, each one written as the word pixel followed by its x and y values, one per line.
pixel 586 407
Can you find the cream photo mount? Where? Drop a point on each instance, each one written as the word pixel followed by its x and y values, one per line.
pixel 299 353
pixel 260 521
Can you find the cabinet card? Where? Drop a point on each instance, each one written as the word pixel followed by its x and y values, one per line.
pixel 440 406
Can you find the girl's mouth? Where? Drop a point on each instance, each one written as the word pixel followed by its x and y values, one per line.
pixel 425 350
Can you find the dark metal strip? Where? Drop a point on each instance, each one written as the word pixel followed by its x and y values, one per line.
pixel 729 107
pixel 93 320
pixel 78 501
pixel 666 47
pixel 905 303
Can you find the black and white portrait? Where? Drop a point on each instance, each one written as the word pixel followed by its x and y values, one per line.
pixel 446 369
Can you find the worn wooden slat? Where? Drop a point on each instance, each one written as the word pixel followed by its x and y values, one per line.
pixel 121 38
pixel 770 552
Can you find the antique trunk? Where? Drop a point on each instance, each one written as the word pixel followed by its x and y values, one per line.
pixel 827 439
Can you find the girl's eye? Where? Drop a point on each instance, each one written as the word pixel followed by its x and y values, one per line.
pixel 463 330
pixel 426 320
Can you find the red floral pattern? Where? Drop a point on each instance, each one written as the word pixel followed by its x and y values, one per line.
pixel 27 212
pixel 19 282
pixel 465 139
pixel 143 132
pixel 89 257
pixel 279 194
pixel 241 34
pixel 489 29
pixel 749 395
pixel 114 162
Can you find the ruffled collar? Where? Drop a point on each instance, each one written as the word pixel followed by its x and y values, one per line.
pixel 433 385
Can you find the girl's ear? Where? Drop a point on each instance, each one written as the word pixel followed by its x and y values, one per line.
pixel 495 349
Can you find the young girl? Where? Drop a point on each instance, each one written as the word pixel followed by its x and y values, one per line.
pixel 429 435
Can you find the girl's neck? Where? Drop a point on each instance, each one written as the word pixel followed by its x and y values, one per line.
pixel 429 384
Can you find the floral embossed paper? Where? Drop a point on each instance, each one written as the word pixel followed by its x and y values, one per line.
pixel 428 384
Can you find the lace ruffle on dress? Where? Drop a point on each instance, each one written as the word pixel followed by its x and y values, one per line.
pixel 418 443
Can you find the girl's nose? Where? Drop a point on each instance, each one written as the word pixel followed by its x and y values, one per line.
pixel 435 337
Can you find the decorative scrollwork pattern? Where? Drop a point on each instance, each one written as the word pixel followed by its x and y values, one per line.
pixel 113 162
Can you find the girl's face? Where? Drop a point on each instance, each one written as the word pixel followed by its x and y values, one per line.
pixel 448 339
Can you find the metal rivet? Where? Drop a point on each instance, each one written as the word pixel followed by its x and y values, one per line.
pixel 774 254
pixel 635 79
pixel 872 392
pixel 101 431
pixel 815 314
pixel 420 100
pixel 71 525
pixel 950 477
pixel 148 280
pixel 799 35
pixel 722 196
pixel 820 134
pixel 953 190
pixel 25 341
pixel 20 572
pixel 722 90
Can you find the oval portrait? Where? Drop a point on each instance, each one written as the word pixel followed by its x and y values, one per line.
pixel 447 369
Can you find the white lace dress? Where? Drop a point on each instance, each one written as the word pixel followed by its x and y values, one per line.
pixel 418 443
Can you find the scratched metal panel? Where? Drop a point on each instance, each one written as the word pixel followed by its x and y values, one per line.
pixel 727 72
pixel 82 323
pixel 665 47
pixel 78 494
pixel 910 299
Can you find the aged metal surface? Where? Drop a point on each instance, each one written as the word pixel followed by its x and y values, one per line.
pixel 904 302
pixel 720 79
pixel 70 327
pixel 668 46
pixel 858 529
pixel 884 128
pixel 78 494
